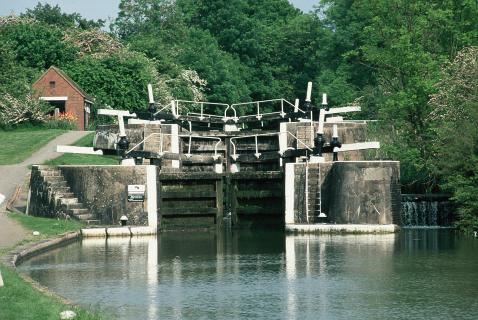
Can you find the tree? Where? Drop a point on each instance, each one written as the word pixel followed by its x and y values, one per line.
pixel 52 15
pixel 455 146
pixel 391 53
pixel 15 79
pixel 37 45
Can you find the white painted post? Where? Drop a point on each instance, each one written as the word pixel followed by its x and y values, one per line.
pixel 335 133
pixel 1 280
pixel 122 132
pixel 283 137
pixel 324 98
pixel 296 105
pixel 321 121
pixel 175 144
pixel 289 193
pixel 309 92
pixel 150 93
pixel 173 109
pixel 152 205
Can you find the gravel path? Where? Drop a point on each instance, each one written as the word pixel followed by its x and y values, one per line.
pixel 13 175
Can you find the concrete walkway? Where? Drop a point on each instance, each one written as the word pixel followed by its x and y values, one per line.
pixel 13 175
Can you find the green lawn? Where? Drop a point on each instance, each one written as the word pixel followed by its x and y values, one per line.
pixel 18 145
pixel 18 298
pixel 47 227
pixel 86 141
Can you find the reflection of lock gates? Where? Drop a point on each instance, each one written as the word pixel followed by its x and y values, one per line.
pixel 136 193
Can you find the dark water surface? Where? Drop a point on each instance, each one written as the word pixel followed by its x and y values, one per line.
pixel 416 274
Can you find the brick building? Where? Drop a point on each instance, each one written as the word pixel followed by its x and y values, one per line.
pixel 63 93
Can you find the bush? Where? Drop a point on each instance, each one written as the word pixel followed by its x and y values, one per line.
pixel 16 111
pixel 64 121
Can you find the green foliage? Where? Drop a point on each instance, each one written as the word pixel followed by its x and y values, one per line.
pixel 391 52
pixel 119 80
pixel 60 124
pixel 37 45
pixel 15 79
pixel 455 145
pixel 52 15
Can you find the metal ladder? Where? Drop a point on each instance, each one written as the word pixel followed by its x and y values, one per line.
pixel 317 212
pixel 307 191
pixel 318 199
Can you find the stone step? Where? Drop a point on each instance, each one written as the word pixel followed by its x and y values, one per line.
pixel 75 212
pixel 85 217
pixel 92 221
pixel 67 195
pixel 58 184
pixel 53 178
pixel 75 206
pixel 50 173
pixel 68 200
pixel 61 191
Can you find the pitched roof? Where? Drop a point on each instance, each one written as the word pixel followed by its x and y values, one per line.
pixel 70 81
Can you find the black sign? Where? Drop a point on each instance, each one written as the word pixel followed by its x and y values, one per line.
pixel 135 197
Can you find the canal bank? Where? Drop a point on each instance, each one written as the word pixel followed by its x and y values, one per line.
pixel 24 298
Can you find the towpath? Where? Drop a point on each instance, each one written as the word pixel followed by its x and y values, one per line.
pixel 12 175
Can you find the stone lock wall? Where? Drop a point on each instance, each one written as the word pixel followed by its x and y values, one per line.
pixel 352 192
pixel 102 190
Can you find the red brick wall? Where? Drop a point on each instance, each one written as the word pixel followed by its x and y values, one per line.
pixel 75 102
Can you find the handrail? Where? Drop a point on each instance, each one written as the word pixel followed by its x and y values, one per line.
pixel 255 136
pixel 259 114
pixel 235 118
pixel 180 136
pixel 230 108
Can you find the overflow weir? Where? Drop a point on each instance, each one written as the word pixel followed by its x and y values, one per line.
pixel 184 166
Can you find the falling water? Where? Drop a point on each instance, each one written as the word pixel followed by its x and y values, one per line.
pixel 426 211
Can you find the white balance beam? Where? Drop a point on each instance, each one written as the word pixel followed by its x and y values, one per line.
pixel 358 146
pixel 78 150
pixel 342 110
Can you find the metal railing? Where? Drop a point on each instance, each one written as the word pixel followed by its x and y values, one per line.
pixel 257 154
pixel 257 105
pixel 190 137
pixel 230 111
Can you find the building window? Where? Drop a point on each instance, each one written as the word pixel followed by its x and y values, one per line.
pixel 52 84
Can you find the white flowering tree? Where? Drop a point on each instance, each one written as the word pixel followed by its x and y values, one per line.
pixel 14 111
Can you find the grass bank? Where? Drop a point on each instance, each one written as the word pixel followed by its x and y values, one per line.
pixel 79 159
pixel 18 298
pixel 46 226
pixel 19 144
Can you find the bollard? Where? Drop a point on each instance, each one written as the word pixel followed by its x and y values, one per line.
pixel 1 280
pixel 123 220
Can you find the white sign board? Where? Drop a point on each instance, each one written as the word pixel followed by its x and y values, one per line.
pixel 136 192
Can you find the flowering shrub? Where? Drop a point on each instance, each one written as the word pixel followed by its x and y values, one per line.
pixel 15 111
pixel 64 120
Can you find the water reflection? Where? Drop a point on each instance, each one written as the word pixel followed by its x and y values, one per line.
pixel 268 275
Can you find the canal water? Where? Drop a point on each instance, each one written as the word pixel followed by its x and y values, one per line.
pixel 415 274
